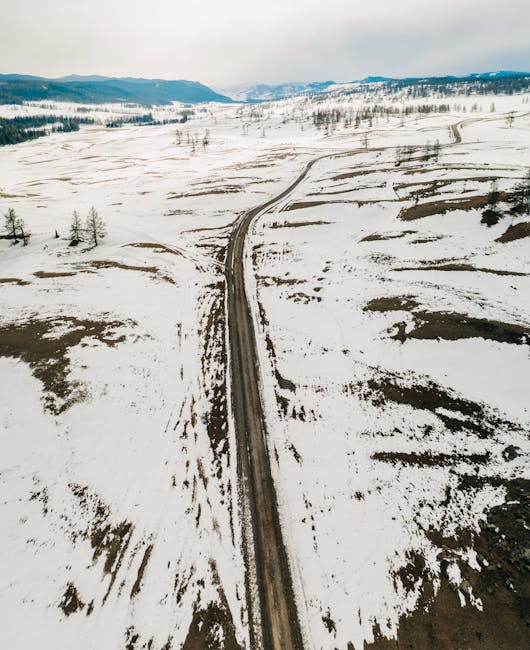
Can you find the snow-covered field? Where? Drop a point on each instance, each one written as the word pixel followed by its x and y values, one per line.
pixel 394 359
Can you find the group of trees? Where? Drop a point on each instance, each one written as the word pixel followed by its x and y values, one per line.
pixel 325 117
pixel 518 199
pixel 19 129
pixel 192 140
pixel 92 231
pixel 27 127
pixel 330 118
pixel 146 119
pixel 405 154
pixel 15 228
pixel 520 196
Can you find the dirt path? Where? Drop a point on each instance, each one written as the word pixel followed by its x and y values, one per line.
pixel 272 610
pixel 455 132
pixel 273 617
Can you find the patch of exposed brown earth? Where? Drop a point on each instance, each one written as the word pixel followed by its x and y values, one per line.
pixel 376 236
pixel 112 541
pixel 212 628
pixel 459 267
pixel 359 172
pixel 141 570
pixel 230 189
pixel 214 364
pixel 391 303
pixel 285 386
pixel 518 231
pixel 304 298
pixel 455 412
pixel 159 248
pixel 45 344
pixel 268 280
pixel 298 224
pixel 54 274
pixel 349 190
pixel 109 264
pixel 300 205
pixel 452 326
pixel 421 210
pixel 107 539
pixel 429 459
pixel 439 620
pixel 427 240
pixel 71 602
pixel 14 281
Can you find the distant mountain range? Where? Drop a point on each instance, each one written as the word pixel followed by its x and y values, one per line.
pixel 15 89
pixel 263 92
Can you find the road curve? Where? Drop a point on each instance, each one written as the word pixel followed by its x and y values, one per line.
pixel 275 625
pixel 273 618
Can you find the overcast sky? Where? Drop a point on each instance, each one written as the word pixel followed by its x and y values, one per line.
pixel 227 42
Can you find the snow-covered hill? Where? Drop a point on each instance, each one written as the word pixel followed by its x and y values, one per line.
pixel 264 92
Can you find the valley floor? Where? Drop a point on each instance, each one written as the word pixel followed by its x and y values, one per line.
pixel 392 332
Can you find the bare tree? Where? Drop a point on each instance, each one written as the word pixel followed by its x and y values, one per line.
pixel 178 136
pixel 526 192
pixel 520 196
pixel 206 139
pixel 10 224
pixel 365 140
pixel 23 234
pixel 15 227
pixel 76 229
pixel 494 193
pixel 95 226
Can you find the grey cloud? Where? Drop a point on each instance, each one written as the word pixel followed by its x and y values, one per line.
pixel 238 41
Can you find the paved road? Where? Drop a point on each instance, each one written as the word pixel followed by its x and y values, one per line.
pixel 274 620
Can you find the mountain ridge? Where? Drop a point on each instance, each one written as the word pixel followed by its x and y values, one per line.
pixel 18 88
pixel 268 92
pixel 15 89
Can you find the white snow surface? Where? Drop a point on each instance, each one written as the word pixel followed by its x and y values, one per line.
pixel 127 455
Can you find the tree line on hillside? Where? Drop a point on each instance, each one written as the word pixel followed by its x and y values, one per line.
pixel 406 153
pixel 147 119
pixel 331 117
pixel 445 86
pixel 19 129
pixel 28 127
pixel 92 231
